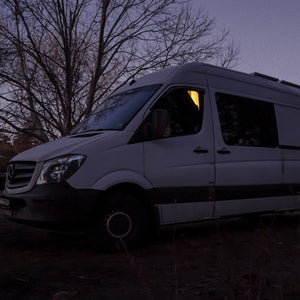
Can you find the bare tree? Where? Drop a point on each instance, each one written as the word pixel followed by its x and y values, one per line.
pixel 62 57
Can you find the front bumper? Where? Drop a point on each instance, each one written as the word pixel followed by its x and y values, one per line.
pixel 53 206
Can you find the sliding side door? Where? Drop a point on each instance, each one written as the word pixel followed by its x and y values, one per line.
pixel 247 153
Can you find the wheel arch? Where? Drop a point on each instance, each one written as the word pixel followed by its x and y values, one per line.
pixel 144 208
pixel 116 178
pixel 136 190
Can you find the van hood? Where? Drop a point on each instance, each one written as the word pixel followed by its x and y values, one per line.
pixel 66 145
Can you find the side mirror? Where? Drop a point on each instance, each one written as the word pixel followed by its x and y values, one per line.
pixel 160 123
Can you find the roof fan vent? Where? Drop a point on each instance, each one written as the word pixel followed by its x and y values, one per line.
pixel 290 84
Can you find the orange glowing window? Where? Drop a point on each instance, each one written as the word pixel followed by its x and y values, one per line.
pixel 195 97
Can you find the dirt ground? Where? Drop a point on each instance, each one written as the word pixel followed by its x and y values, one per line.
pixel 223 259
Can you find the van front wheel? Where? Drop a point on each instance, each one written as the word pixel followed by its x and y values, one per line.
pixel 121 223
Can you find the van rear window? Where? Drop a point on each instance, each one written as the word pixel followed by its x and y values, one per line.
pixel 247 122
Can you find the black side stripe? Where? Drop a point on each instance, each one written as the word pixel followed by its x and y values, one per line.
pixel 256 191
pixel 180 195
pixel 225 193
pixel 289 147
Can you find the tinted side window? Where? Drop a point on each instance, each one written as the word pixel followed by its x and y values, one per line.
pixel 288 122
pixel 247 122
pixel 185 108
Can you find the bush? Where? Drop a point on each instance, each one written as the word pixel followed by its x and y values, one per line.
pixel 6 153
pixel 8 150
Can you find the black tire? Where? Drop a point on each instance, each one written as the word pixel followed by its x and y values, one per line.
pixel 121 223
pixel 2 181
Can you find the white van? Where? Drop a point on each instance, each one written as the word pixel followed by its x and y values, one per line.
pixel 188 143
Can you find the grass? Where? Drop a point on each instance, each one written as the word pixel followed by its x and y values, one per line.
pixel 227 259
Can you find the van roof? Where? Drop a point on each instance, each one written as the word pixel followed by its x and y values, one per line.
pixel 186 74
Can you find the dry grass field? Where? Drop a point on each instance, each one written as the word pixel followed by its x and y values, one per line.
pixel 223 259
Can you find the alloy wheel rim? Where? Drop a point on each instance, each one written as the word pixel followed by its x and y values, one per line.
pixel 119 224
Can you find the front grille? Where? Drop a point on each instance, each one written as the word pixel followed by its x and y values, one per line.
pixel 19 174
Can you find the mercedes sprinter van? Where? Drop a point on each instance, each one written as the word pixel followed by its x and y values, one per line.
pixel 189 143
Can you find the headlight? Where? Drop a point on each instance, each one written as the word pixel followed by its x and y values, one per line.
pixel 60 169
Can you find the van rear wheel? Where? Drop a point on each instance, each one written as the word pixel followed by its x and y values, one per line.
pixel 121 223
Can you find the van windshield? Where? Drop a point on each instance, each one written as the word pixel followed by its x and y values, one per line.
pixel 116 111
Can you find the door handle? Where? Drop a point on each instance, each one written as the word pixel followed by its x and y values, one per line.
pixel 224 151
pixel 200 150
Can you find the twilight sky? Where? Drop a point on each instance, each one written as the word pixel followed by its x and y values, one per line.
pixel 268 32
